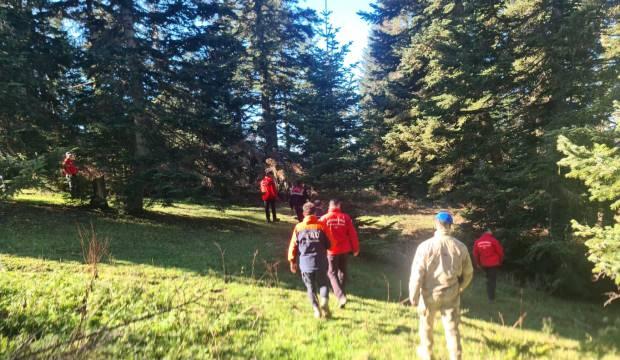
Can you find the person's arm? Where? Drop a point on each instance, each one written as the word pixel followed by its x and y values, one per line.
pixel 327 242
pixel 468 271
pixel 327 235
pixel 418 270
pixel 293 252
pixel 353 238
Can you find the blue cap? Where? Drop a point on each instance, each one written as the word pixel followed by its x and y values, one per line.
pixel 444 217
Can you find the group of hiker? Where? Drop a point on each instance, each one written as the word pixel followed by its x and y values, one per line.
pixel 299 195
pixel 441 269
pixel 320 245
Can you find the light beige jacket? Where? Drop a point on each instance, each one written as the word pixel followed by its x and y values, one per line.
pixel 441 269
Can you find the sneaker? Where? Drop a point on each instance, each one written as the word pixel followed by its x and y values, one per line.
pixel 342 302
pixel 325 307
pixel 317 312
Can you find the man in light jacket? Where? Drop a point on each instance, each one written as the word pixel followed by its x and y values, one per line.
pixel 441 270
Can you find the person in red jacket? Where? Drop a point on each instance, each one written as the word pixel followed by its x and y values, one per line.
pixel 489 255
pixel 341 232
pixel 298 197
pixel 269 194
pixel 70 171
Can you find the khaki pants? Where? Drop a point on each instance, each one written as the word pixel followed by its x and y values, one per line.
pixel 450 316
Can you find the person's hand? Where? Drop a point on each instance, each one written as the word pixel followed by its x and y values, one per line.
pixel 414 302
pixel 357 253
pixel 293 267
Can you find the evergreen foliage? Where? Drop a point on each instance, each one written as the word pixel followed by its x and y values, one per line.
pixel 469 98
pixel 599 168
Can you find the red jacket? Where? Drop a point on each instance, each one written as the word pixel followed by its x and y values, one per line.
pixel 488 252
pixel 69 168
pixel 268 189
pixel 341 232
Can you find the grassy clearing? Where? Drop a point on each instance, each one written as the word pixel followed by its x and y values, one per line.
pixel 166 293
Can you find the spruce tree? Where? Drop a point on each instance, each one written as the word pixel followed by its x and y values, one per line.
pixel 34 78
pixel 327 113
pixel 277 35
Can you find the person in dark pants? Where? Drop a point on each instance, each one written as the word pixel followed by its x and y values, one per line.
pixel 297 199
pixel 269 195
pixel 341 232
pixel 489 255
pixel 309 244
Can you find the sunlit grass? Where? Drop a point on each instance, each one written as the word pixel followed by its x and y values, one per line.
pixel 245 302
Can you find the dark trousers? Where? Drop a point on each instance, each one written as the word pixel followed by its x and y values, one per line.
pixel 337 273
pixel 299 212
pixel 270 204
pixel 315 281
pixel 491 273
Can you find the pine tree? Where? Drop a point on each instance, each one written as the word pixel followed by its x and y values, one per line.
pixel 34 78
pixel 327 113
pixel 475 102
pixel 599 168
pixel 159 109
pixel 277 34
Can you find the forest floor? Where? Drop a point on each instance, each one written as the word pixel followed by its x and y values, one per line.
pixel 192 281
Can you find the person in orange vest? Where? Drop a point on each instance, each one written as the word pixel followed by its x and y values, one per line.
pixel 308 252
pixel 297 199
pixel 269 195
pixel 489 255
pixel 70 171
pixel 341 232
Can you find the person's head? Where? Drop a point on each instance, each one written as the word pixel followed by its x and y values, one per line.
pixel 488 231
pixel 443 221
pixel 317 203
pixel 269 172
pixel 69 155
pixel 299 183
pixel 309 209
pixel 334 204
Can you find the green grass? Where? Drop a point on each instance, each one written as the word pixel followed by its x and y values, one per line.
pixel 164 292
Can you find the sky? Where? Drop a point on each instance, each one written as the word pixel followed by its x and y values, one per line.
pixel 344 16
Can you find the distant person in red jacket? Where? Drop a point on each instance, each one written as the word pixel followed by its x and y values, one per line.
pixel 269 194
pixel 341 232
pixel 489 255
pixel 69 170
pixel 297 199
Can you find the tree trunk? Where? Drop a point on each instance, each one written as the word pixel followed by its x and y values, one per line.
pixel 99 199
pixel 134 197
pixel 269 125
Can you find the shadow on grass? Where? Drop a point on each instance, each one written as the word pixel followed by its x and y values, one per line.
pixel 250 250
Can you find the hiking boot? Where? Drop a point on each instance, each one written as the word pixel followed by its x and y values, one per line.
pixel 317 312
pixel 342 302
pixel 325 307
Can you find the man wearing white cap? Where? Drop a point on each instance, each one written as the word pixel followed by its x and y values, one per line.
pixel 441 270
